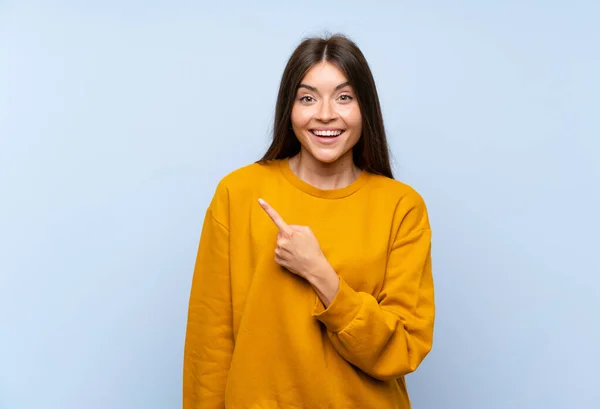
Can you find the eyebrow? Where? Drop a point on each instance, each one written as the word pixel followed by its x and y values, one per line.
pixel 313 89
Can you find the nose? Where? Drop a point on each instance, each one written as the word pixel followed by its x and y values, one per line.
pixel 326 112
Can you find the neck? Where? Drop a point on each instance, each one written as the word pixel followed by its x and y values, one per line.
pixel 326 176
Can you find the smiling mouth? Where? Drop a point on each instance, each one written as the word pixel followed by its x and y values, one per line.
pixel 327 134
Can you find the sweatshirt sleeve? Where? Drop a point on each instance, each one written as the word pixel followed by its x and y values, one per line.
pixel 209 335
pixel 389 336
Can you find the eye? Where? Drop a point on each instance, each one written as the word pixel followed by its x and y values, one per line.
pixel 345 97
pixel 306 98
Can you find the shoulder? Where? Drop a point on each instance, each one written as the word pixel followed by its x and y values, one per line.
pixel 243 178
pixel 409 205
pixel 400 192
pixel 239 184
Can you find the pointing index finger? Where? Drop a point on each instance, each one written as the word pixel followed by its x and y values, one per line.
pixel 277 219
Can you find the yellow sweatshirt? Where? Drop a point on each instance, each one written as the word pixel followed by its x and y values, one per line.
pixel 258 337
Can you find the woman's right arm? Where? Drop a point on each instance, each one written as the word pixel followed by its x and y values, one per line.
pixel 209 334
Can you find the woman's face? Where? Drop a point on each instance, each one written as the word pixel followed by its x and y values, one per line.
pixel 325 117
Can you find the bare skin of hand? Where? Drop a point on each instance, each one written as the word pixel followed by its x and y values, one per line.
pixel 298 250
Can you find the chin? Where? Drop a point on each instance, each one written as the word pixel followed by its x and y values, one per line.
pixel 326 157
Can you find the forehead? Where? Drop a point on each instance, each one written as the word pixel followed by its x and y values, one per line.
pixel 324 75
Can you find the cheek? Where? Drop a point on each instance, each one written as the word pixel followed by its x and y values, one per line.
pixel 300 117
pixel 353 119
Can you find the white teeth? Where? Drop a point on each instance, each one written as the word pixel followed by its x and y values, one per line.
pixel 327 133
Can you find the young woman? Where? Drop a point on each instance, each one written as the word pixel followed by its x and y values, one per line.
pixel 313 286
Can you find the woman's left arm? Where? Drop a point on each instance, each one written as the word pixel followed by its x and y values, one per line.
pixel 388 336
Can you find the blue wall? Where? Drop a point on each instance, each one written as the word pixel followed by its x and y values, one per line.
pixel 118 119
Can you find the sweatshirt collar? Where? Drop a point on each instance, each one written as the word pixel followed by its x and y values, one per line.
pixel 322 193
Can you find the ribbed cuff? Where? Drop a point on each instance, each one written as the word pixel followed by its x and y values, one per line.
pixel 342 310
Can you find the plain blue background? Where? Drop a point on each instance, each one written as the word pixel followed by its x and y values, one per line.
pixel 117 119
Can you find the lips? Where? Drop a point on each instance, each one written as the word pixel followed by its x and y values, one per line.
pixel 333 133
pixel 326 137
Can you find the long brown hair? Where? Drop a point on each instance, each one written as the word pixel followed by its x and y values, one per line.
pixel 371 152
